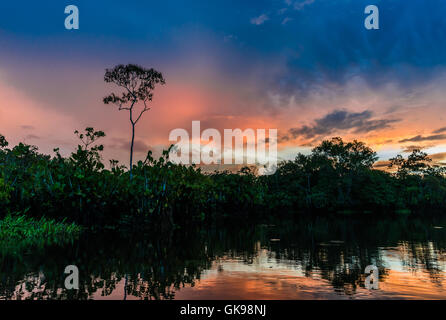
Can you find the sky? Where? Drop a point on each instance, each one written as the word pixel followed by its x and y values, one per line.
pixel 308 68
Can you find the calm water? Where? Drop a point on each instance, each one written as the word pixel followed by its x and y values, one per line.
pixel 308 259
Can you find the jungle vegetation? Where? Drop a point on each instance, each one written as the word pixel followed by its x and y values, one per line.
pixel 18 232
pixel 336 177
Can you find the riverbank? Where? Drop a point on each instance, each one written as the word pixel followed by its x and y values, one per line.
pixel 336 177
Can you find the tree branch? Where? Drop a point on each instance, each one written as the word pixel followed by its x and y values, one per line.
pixel 139 117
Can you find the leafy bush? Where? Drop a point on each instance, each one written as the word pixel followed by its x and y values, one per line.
pixel 335 176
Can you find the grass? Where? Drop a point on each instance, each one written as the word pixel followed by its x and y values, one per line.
pixel 19 231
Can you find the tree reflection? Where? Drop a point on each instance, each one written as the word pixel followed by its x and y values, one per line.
pixel 157 267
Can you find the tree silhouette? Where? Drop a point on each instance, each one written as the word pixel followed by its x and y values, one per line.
pixel 3 142
pixel 417 162
pixel 138 84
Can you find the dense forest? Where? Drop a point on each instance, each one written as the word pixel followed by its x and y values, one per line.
pixel 337 177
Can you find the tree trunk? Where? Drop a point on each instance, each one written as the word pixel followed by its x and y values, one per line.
pixel 131 150
pixel 125 287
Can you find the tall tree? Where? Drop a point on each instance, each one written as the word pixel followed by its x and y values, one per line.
pixel 416 163
pixel 346 155
pixel 137 84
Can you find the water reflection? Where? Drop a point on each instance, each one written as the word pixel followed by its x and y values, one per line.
pixel 317 258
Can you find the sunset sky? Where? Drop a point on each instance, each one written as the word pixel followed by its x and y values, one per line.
pixel 306 67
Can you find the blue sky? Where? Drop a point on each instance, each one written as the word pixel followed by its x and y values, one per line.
pixel 320 35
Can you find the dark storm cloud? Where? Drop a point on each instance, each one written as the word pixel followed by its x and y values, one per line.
pixel 340 120
pixel 411 148
pixel 336 47
pixel 441 130
pixel 420 138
